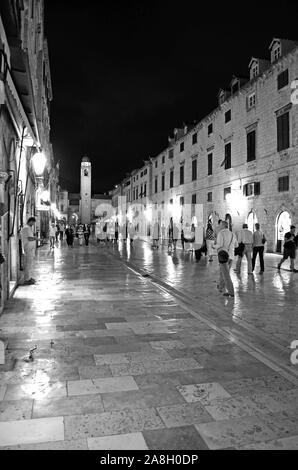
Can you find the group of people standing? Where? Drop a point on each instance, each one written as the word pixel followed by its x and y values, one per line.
pixel 57 232
pixel 247 244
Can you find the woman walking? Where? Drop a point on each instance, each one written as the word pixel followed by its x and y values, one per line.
pixel 80 234
pixel 210 238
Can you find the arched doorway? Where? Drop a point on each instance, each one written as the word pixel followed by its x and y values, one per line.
pixel 283 223
pixel 251 221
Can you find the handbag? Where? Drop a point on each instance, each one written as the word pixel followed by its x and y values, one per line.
pixel 264 239
pixel 223 255
pixel 239 250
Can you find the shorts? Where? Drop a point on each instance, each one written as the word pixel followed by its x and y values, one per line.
pixel 289 253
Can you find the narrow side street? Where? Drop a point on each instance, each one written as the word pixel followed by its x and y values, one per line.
pixel 123 362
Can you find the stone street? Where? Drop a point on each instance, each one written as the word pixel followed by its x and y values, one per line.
pixel 136 349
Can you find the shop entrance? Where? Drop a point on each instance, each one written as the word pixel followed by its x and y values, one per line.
pixel 283 223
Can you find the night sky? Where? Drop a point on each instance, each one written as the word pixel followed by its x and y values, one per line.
pixel 125 74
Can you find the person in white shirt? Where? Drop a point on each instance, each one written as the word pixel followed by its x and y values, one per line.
pixel 245 237
pixel 52 234
pixel 226 241
pixel 29 247
pixel 259 241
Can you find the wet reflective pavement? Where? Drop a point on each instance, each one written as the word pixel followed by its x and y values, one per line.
pixel 127 361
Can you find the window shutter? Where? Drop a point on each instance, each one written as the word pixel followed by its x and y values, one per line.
pixel 283 132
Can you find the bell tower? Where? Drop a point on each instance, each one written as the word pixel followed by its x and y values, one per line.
pixel 85 190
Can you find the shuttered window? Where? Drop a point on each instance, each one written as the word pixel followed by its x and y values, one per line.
pixel 194 167
pixel 251 146
pixel 228 148
pixel 210 163
pixel 283 132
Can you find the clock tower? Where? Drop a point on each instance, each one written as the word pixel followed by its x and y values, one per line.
pixel 85 190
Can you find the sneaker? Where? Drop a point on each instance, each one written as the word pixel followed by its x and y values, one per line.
pixel 261 272
pixel 226 294
pixel 29 283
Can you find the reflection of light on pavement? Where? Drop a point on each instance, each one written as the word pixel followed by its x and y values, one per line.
pixel 128 249
pixel 42 378
pixel 278 283
pixel 148 256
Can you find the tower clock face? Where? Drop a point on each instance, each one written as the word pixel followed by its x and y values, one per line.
pixel 86 173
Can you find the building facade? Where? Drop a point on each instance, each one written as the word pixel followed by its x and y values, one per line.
pixel 240 161
pixel 25 95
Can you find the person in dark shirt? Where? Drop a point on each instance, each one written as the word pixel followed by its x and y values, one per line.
pixel 289 249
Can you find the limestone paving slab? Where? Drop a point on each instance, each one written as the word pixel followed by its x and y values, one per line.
pixel 273 382
pixel 178 438
pixel 93 372
pixel 249 429
pixel 132 441
pixel 145 398
pixel 184 414
pixel 79 444
pixel 132 368
pixel 104 385
pixel 35 391
pixel 286 443
pixel 109 423
pixel 204 393
pixel 228 408
pixel 15 410
pixel 31 431
pixel 84 404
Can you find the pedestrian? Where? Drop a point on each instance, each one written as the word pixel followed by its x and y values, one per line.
pixel 245 237
pixel 69 233
pixel 289 249
pixel 170 235
pixel 258 242
pixel 155 235
pixel 116 231
pixel 61 230
pixel 29 247
pixel 52 234
pixel 131 233
pixel 210 238
pixel 80 234
pixel 182 239
pixel 57 232
pixel 225 244
pixel 112 232
pixel 175 233
pixel 86 234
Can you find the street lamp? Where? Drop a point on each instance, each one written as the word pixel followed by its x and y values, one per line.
pixel 39 162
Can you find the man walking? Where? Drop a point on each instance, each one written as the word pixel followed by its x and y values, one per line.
pixel 29 247
pixel 226 241
pixel 258 241
pixel 289 249
pixel 52 234
pixel 245 237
